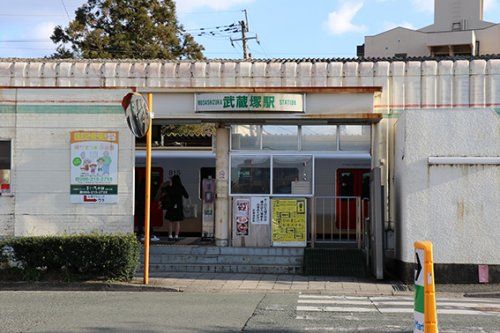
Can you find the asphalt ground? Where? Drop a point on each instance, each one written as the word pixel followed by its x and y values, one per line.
pixel 146 311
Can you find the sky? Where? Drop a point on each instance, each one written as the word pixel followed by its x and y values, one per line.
pixel 284 28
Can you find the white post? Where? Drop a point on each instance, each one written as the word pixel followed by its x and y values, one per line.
pixel 222 217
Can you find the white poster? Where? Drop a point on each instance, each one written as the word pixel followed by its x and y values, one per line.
pixel 94 167
pixel 259 210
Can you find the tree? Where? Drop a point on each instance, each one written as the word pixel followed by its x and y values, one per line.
pixel 132 29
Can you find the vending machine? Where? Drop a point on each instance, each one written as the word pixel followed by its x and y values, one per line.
pixel 208 216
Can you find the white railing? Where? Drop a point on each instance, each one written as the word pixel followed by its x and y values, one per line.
pixel 337 219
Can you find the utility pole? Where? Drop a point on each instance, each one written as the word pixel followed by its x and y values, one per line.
pixel 244 39
pixel 244 29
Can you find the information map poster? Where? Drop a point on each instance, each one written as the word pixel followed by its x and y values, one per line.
pixel 94 167
pixel 289 221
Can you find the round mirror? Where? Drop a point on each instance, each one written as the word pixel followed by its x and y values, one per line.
pixel 136 112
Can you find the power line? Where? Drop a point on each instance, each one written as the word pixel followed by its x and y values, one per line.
pixel 208 12
pixel 28 15
pixel 65 9
pixel 26 41
pixel 244 38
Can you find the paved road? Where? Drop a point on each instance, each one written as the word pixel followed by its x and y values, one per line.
pixel 70 311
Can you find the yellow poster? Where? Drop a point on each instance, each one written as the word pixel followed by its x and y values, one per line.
pixel 289 222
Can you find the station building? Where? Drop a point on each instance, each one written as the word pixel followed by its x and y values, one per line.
pixel 373 155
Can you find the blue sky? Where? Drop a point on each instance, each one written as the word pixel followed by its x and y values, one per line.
pixel 285 28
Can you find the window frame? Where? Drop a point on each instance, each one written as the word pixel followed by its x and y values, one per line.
pixel 337 143
pixel 271 174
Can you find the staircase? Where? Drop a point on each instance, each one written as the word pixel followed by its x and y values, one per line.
pixel 213 259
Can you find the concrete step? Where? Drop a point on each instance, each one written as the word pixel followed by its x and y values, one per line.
pixel 192 258
pixel 226 259
pixel 159 269
pixel 215 250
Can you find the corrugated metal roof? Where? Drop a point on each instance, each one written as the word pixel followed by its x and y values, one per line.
pixel 410 83
pixel 265 60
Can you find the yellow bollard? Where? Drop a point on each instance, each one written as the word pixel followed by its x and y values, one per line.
pixel 425 314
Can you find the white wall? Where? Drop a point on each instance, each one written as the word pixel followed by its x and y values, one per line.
pixel 397 40
pixel 40 126
pixel 454 206
pixel 447 12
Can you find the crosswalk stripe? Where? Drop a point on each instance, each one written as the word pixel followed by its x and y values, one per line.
pixel 462 305
pixel 335 309
pixel 388 310
pixel 342 304
pixel 328 301
pixel 440 311
pixel 394 303
pixel 439 299
pixel 333 297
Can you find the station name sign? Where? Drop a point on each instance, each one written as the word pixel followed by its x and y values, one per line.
pixel 249 102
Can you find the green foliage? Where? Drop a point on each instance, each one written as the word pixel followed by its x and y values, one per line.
pixel 77 257
pixel 189 130
pixel 126 29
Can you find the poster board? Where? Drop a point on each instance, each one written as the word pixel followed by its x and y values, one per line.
pixel 259 210
pixel 289 222
pixel 241 216
pixel 94 167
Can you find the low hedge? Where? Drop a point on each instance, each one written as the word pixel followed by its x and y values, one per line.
pixel 75 257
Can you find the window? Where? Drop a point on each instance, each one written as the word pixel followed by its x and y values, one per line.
pixel 279 137
pixel 245 137
pixel 355 138
pixel 319 138
pixel 5 163
pixel 292 174
pixel 346 184
pixel 250 174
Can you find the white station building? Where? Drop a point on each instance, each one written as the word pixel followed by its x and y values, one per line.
pixel 375 155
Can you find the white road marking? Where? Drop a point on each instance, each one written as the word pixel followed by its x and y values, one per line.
pixel 333 297
pixel 342 304
pixel 331 301
pixel 335 309
pixel 462 305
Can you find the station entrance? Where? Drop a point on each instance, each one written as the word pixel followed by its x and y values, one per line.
pixel 280 178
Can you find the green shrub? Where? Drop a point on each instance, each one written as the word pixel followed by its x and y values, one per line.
pixel 77 257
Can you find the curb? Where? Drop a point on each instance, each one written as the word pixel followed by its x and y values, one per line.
pixel 82 286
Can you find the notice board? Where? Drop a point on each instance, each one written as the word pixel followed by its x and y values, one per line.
pixel 289 222
pixel 94 167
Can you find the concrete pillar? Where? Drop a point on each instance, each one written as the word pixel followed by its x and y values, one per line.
pixel 222 217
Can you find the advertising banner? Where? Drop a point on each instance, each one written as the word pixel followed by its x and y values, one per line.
pixel 94 167
pixel 241 216
pixel 289 222
pixel 249 102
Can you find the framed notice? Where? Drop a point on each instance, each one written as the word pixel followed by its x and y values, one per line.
pixel 94 167
pixel 289 221
pixel 259 211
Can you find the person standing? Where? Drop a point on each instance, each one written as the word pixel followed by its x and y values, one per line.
pixel 174 207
